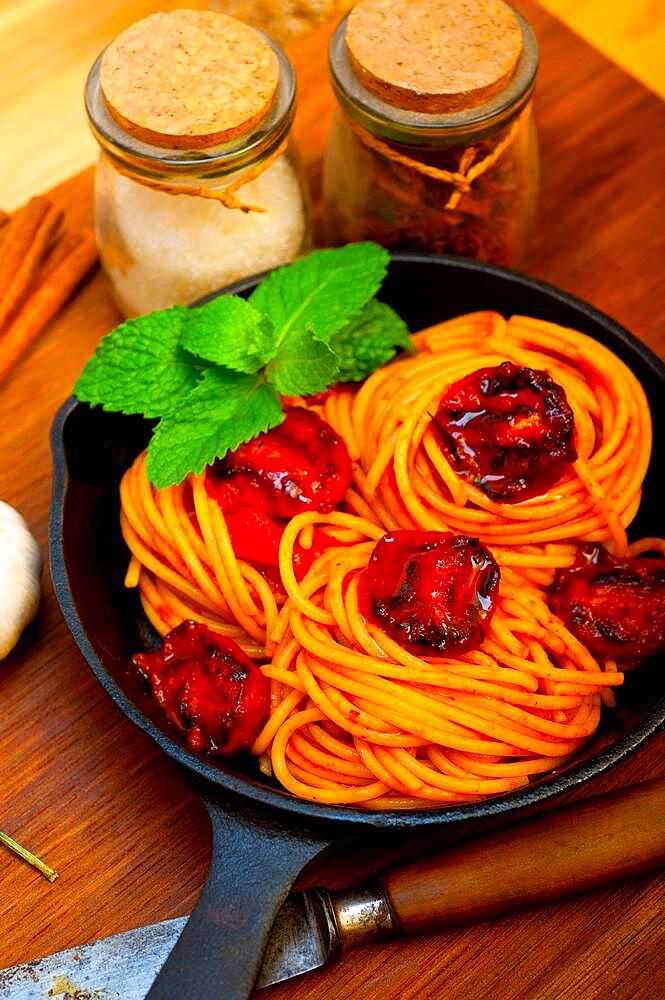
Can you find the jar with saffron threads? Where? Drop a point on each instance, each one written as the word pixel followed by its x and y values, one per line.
pixel 198 184
pixel 433 145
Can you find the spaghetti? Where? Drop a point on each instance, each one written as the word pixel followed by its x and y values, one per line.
pixel 355 717
pixel 358 719
pixel 184 564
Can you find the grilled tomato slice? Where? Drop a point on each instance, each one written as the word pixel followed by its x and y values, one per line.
pixel 615 607
pixel 508 430
pixel 208 688
pixel 431 591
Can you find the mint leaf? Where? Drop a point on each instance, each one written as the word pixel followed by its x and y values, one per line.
pixel 304 365
pixel 212 374
pixel 369 340
pixel 140 366
pixel 230 332
pixel 322 291
pixel 225 409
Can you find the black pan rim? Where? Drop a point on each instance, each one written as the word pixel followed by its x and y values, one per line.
pixel 221 778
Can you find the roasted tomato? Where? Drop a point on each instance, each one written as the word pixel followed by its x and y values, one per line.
pixel 208 688
pixel 615 607
pixel 508 430
pixel 300 465
pixel 255 536
pixel 431 591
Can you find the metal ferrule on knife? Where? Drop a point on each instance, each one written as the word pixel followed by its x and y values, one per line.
pixel 358 916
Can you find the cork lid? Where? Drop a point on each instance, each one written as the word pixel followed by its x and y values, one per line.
pixel 189 79
pixel 433 56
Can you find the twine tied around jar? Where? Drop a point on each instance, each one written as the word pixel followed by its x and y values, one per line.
pixel 461 179
pixel 226 196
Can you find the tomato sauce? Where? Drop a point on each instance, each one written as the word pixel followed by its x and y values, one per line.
pixel 615 607
pixel 302 465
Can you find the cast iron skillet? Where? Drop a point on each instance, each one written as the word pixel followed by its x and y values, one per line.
pixel 262 836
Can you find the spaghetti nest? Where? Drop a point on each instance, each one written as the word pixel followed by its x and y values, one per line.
pixel 404 478
pixel 358 720
pixel 184 565
pixel 354 717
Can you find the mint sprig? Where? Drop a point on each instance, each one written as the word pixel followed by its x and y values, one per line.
pixel 322 291
pixel 303 366
pixel 141 366
pixel 214 374
pixel 230 332
pixel 369 340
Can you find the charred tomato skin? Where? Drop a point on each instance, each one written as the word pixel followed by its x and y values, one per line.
pixel 507 429
pixel 431 591
pixel 614 606
pixel 208 688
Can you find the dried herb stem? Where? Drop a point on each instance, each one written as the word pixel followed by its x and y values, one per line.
pixel 28 856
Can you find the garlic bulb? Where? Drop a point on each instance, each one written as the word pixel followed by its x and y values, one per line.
pixel 20 577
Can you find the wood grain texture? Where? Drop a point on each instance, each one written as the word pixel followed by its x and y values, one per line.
pixel 85 789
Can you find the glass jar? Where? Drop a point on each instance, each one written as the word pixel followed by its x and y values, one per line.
pixel 461 182
pixel 174 224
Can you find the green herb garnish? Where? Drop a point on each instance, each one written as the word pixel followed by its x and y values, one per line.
pixel 214 375
pixel 369 340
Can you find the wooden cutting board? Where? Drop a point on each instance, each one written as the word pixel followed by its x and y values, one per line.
pixel 85 789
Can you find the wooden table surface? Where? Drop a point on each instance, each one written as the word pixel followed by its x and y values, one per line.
pixel 90 793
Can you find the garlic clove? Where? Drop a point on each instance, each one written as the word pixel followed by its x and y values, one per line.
pixel 20 577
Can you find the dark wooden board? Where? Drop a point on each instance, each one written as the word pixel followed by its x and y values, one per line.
pixel 85 789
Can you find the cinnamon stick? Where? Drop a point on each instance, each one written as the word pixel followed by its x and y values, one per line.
pixel 46 300
pixel 31 256
pixel 61 247
pixel 17 238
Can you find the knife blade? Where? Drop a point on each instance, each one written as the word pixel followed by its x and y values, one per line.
pixel 124 966
pixel 579 847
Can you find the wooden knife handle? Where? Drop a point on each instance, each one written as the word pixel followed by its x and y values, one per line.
pixel 570 850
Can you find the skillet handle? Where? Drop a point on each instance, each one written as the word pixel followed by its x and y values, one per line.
pixel 255 861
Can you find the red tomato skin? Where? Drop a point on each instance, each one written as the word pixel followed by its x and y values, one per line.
pixel 431 591
pixel 300 465
pixel 614 606
pixel 208 688
pixel 509 430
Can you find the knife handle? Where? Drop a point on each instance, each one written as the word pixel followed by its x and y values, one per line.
pixel 568 851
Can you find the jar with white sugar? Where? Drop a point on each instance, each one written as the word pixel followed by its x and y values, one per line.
pixel 197 184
